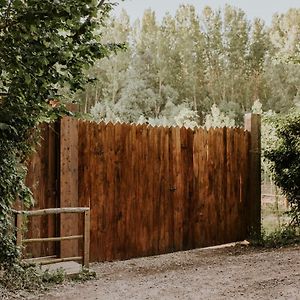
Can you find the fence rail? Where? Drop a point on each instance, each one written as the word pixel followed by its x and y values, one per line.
pixel 85 237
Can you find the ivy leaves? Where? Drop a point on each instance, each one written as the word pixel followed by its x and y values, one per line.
pixel 45 48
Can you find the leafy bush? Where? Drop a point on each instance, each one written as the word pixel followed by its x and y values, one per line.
pixel 45 49
pixel 29 278
pixel 285 162
pixel 20 277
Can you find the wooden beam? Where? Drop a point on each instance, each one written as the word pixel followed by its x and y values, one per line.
pixel 50 211
pixel 253 210
pixel 69 225
pixel 57 260
pixel 37 260
pixel 86 244
pixel 54 239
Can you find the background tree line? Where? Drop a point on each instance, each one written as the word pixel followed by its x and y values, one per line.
pixel 174 71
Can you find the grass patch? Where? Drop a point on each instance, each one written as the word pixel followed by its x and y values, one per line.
pixel 282 236
pixel 29 278
pixel 274 217
pixel 276 231
pixel 84 275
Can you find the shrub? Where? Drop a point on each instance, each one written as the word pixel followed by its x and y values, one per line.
pixel 45 49
pixel 285 162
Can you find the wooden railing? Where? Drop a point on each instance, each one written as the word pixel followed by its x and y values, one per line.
pixel 20 214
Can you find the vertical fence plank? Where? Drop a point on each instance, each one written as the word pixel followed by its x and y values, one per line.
pixel 236 198
pixel 99 189
pixel 225 236
pixel 171 181
pixel 220 177
pixel 155 190
pixel 187 201
pixel 202 192
pixel 95 184
pixel 163 165
pixel 196 231
pixel 146 191
pixel 166 192
pixel 125 190
pixel 119 150
pixel 110 184
pixel 230 183
pixel 139 237
pixel 176 189
pixel 211 213
pixel 83 172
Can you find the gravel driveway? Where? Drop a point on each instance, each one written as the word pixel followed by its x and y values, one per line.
pixel 229 273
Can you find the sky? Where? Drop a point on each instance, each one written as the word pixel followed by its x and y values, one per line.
pixel 263 9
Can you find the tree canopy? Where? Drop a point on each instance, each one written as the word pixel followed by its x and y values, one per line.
pixel 195 60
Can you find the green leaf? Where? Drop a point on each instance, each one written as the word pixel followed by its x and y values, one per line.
pixel 3 3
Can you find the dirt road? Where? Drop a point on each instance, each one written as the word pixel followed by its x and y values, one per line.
pixel 231 273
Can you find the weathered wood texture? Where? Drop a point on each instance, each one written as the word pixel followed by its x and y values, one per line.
pixel 158 190
pixel 85 237
pixel 43 180
pixel 69 223
pixel 151 190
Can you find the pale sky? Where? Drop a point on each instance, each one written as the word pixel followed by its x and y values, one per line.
pixel 263 9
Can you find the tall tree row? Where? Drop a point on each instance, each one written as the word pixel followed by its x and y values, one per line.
pixel 180 67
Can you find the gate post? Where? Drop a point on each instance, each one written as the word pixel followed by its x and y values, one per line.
pixel 253 207
pixel 69 224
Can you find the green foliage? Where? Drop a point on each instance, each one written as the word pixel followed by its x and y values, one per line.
pixel 20 278
pixel 283 236
pixel 29 278
pixel 285 161
pixel 56 277
pixel 84 275
pixel 218 119
pixel 46 46
pixel 269 141
pixel 285 36
pixel 197 60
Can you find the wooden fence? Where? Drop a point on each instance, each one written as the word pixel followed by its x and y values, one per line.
pixel 155 190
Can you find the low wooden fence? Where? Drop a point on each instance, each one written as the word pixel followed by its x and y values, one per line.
pixel 154 190
pixel 21 215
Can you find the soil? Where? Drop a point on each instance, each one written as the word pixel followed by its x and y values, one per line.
pixel 230 273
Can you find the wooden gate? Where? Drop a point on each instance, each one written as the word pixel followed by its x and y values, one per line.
pixel 151 190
